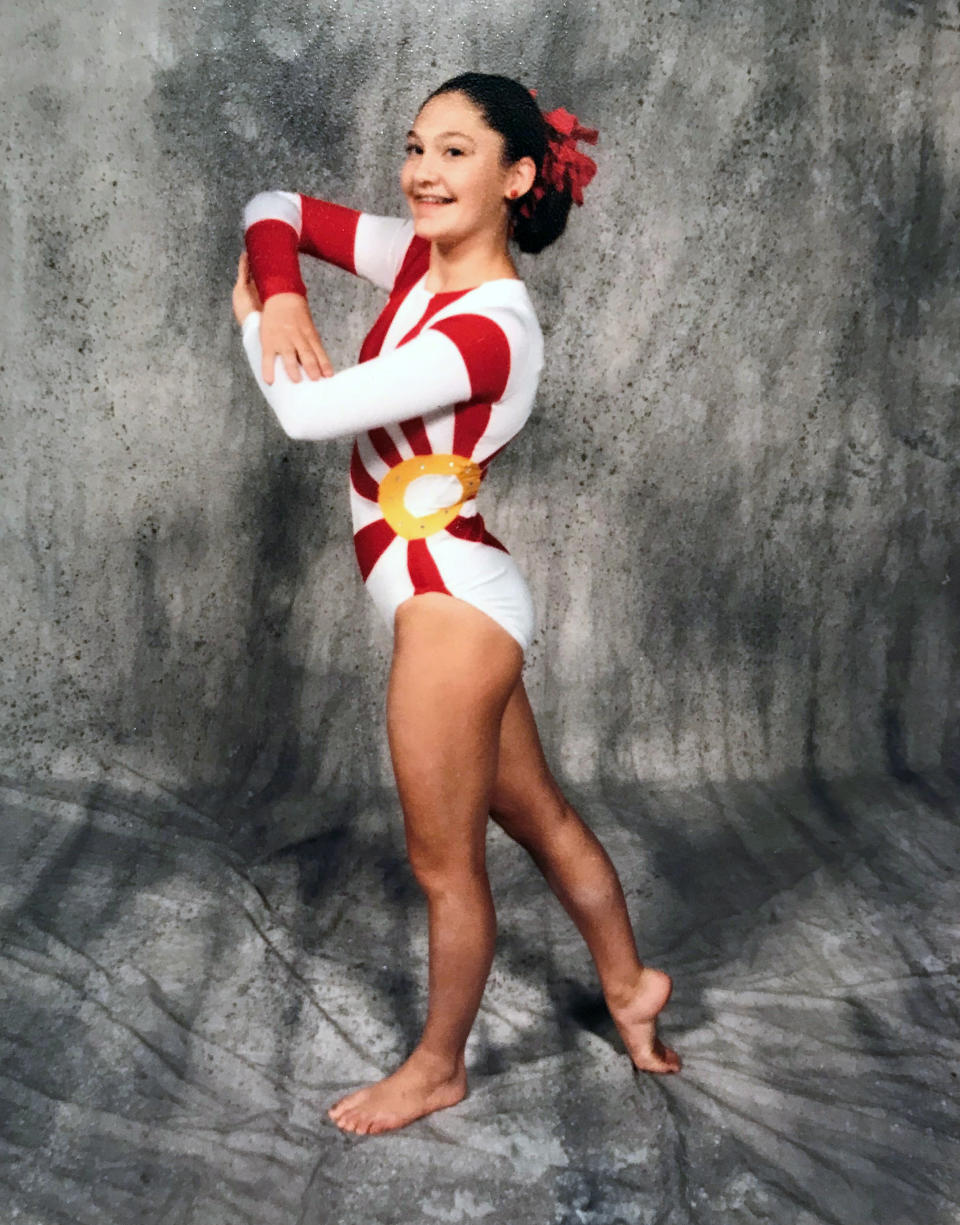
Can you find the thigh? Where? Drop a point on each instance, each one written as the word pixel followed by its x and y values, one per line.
pixel 525 799
pixel 453 671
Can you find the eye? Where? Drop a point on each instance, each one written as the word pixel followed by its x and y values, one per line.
pixel 457 152
pixel 411 148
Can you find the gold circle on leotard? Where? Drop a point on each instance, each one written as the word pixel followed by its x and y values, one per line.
pixel 393 487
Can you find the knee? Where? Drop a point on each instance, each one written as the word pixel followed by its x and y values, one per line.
pixel 442 874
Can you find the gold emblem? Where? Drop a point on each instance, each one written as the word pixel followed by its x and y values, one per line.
pixel 394 485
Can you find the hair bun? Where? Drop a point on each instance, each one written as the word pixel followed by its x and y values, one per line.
pixel 573 168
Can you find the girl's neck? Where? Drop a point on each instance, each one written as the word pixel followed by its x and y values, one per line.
pixel 466 264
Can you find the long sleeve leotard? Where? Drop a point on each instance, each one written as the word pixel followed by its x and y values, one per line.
pixel 444 381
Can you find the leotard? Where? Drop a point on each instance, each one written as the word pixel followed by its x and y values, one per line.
pixel 443 383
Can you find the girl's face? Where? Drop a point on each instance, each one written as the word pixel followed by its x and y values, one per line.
pixel 453 177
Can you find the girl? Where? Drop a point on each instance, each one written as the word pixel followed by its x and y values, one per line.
pixel 447 376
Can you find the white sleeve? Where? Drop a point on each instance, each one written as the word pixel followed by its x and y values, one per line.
pixel 379 247
pixel 273 206
pixel 425 374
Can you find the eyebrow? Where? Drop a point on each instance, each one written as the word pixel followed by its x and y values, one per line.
pixel 442 135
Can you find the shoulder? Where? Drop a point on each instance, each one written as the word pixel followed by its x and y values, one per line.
pixel 497 333
pixel 506 305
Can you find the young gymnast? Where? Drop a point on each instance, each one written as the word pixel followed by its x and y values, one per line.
pixel 446 377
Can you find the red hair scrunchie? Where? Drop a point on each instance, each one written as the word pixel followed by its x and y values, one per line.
pixel 564 167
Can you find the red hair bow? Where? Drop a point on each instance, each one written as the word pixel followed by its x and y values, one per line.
pixel 564 167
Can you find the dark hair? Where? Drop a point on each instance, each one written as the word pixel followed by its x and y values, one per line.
pixel 509 108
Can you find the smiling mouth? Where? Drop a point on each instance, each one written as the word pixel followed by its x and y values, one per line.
pixel 434 199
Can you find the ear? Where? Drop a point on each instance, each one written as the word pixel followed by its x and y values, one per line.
pixel 520 178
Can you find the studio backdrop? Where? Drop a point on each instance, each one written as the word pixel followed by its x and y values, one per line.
pixel 735 502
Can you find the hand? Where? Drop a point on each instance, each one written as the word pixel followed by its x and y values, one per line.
pixel 245 296
pixel 287 328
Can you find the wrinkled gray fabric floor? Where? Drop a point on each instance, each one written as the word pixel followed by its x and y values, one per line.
pixel 180 1008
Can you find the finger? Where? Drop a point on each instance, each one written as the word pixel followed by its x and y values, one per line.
pixel 326 365
pixel 313 346
pixel 310 363
pixel 292 366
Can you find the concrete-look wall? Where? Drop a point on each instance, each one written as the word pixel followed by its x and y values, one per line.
pixel 736 504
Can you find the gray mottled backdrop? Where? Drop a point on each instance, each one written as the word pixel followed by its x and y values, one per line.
pixel 736 502
pixel 736 505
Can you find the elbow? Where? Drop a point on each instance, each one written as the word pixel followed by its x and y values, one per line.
pixel 256 207
pixel 300 427
pixel 295 428
pixel 265 205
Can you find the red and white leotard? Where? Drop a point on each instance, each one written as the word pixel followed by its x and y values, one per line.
pixel 444 381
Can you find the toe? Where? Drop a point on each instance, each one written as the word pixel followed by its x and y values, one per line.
pixel 657 1063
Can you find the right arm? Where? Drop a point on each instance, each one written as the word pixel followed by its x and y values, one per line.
pixel 278 226
pixel 457 360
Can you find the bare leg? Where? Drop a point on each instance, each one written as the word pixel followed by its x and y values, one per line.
pixel 453 671
pixel 529 806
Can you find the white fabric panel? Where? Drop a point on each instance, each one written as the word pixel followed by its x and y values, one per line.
pixel 389 582
pixel 370 458
pixel 489 579
pixel 274 206
pixel 410 312
pixel 399 439
pixel 481 575
pixel 362 510
pixel 379 247
pixel 439 427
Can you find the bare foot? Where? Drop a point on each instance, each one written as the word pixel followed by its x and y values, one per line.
pixel 635 1018
pixel 421 1084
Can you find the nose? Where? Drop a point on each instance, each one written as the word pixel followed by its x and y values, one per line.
pixel 427 170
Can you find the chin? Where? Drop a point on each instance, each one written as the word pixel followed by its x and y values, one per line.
pixel 432 228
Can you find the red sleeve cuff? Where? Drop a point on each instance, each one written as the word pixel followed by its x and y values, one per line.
pixel 274 263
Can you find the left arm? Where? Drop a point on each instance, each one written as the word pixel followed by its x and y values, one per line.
pixel 456 360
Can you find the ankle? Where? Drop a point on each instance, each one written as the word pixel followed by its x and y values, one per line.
pixel 620 994
pixel 442 1063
